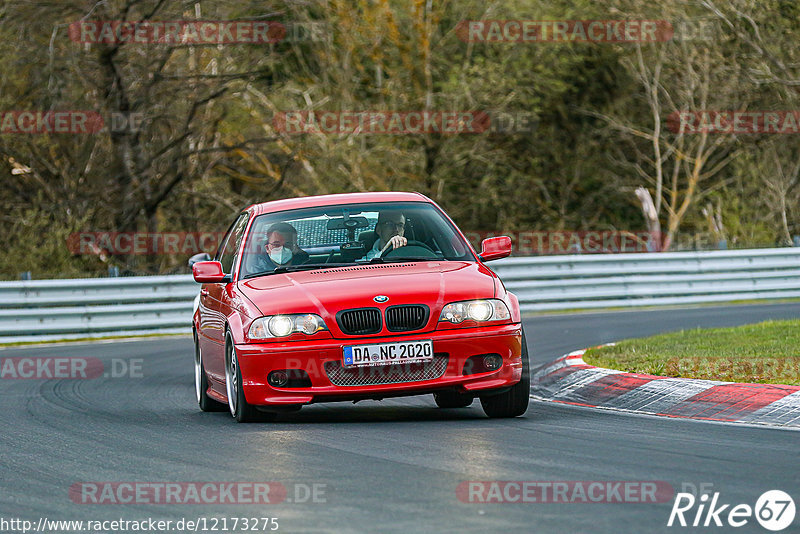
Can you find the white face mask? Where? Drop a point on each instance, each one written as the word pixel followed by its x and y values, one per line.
pixel 280 255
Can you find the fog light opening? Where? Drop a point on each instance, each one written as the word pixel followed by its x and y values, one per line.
pixel 278 379
pixel 492 362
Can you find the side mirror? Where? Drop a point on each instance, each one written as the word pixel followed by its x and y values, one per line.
pixel 209 272
pixel 203 256
pixel 495 248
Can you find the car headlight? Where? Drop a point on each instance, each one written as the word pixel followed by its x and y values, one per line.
pixel 475 310
pixel 280 325
pixel 273 326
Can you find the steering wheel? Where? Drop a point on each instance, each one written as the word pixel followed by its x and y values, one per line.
pixel 413 249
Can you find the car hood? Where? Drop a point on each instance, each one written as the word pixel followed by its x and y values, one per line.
pixel 328 291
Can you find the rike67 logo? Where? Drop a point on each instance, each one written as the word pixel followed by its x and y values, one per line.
pixel 774 510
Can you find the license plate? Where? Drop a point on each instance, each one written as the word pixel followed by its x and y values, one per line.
pixel 388 353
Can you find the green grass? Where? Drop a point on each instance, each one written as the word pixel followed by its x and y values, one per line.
pixel 659 307
pixel 765 353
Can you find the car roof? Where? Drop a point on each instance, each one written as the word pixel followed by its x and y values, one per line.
pixel 331 200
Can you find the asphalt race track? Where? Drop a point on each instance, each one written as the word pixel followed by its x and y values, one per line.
pixel 390 466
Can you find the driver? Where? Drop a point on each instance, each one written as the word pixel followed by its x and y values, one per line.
pixel 390 228
pixel 281 248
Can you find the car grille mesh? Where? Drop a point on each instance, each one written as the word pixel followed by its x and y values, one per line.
pixel 387 374
pixel 360 322
pixel 405 318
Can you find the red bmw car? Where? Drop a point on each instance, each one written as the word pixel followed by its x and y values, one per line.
pixel 356 296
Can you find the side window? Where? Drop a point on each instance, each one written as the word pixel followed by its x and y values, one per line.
pixel 232 242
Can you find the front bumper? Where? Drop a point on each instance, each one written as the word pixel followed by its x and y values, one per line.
pixel 257 360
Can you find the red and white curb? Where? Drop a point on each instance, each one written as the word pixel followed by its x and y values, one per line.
pixel 569 380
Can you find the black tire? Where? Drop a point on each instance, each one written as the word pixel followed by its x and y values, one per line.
pixel 206 403
pixel 513 402
pixel 240 409
pixel 452 399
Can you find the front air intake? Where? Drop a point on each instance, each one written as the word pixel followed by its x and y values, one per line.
pixel 406 318
pixel 359 322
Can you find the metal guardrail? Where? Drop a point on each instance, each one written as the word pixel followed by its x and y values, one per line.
pixel 651 279
pixel 43 310
pixel 68 309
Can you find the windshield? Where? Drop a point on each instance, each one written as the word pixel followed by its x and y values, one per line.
pixel 350 234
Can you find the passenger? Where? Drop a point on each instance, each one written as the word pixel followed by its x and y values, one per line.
pixel 281 249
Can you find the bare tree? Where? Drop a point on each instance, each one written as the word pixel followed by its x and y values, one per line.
pixel 680 167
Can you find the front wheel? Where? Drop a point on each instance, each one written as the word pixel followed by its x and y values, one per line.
pixel 513 402
pixel 206 403
pixel 240 409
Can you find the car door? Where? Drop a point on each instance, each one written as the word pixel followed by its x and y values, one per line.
pixel 215 304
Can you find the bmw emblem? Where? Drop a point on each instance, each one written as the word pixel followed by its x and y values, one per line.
pixel 380 298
